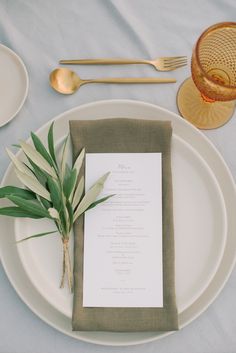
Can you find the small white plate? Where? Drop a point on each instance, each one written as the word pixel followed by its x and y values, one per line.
pixel 14 84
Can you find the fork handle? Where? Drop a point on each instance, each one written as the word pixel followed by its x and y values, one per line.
pixel 115 61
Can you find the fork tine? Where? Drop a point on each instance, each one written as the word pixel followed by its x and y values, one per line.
pixel 173 57
pixel 174 63
pixel 167 61
pixel 171 68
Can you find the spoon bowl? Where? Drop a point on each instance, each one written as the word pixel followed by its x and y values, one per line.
pixel 64 81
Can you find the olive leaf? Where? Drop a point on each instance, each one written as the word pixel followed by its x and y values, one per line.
pixel 37 236
pixel 33 184
pixel 45 203
pixel 18 164
pixel 53 213
pixel 94 204
pixel 65 152
pixel 69 183
pixel 90 196
pixel 51 143
pixel 38 173
pixel 79 161
pixel 55 193
pixel 15 191
pixel 32 206
pixel 36 157
pixel 13 211
pixel 70 213
pixel 41 149
pixel 63 222
pixel 78 193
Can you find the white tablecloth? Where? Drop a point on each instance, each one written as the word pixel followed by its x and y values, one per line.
pixel 42 32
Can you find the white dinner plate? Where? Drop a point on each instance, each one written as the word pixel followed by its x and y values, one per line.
pixel 200 233
pixel 14 84
pixel 204 204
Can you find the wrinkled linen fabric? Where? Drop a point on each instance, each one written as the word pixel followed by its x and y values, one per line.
pixel 122 135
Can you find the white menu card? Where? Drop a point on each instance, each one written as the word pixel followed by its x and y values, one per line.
pixel 123 236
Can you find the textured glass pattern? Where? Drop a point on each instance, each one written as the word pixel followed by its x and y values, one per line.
pixel 214 63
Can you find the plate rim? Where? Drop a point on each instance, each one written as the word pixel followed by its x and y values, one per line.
pixel 229 175
pixel 26 89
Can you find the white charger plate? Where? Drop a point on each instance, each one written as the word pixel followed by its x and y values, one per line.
pixel 14 84
pixel 204 201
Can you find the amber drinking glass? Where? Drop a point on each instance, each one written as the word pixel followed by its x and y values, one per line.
pixel 207 99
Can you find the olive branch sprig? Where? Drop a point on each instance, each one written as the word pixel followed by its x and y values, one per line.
pixel 54 190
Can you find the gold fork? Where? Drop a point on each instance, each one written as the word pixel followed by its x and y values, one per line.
pixel 165 63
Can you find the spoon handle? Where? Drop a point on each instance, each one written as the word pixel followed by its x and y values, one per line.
pixel 104 61
pixel 131 80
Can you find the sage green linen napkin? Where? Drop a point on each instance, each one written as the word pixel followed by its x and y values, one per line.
pixel 120 135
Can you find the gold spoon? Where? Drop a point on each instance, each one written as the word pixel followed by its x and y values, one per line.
pixel 67 81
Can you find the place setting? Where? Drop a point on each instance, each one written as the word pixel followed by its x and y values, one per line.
pixel 120 214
